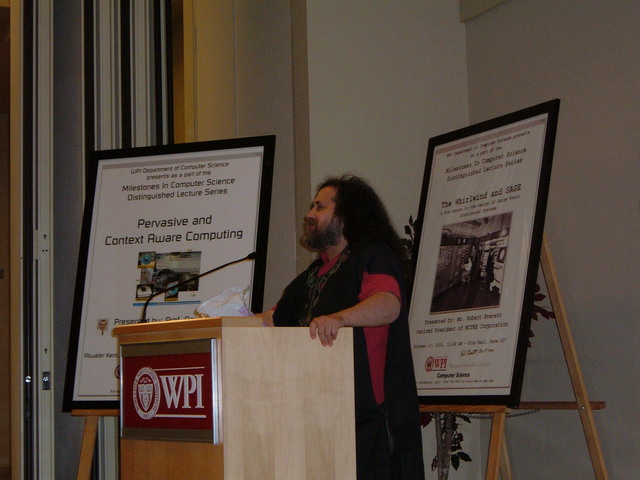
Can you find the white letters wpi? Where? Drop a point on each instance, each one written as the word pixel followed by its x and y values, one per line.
pixel 185 386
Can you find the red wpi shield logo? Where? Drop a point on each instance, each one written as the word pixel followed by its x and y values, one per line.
pixel 435 364
pixel 146 393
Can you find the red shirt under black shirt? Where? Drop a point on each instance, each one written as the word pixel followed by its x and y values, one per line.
pixel 376 337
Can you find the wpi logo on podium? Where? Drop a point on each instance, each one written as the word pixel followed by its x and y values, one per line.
pixel 169 391
pixel 146 393
pixel 179 391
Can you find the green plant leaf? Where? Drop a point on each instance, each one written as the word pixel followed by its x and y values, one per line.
pixel 463 456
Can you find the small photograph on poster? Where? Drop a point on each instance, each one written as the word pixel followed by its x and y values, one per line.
pixel 471 264
pixel 147 260
pixel 169 268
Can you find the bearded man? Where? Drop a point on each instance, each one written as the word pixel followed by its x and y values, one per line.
pixel 358 281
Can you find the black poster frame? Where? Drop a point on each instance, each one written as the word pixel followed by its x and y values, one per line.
pixel 259 146
pixel 451 335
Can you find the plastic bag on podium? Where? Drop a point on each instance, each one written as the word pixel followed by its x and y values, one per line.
pixel 230 303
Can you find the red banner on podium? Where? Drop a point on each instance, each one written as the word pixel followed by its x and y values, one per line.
pixel 169 391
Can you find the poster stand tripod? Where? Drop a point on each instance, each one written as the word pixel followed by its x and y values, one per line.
pixel 498 460
pixel 89 436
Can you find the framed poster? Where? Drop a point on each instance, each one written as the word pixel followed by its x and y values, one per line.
pixel 159 216
pixel 476 253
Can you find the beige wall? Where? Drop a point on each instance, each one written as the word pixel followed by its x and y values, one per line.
pixel 384 77
pixel 205 92
pixel 236 80
pixel 265 106
pixel 586 54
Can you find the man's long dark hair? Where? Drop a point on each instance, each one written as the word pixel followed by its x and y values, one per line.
pixel 363 215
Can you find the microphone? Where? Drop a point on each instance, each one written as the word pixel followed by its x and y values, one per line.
pixel 143 319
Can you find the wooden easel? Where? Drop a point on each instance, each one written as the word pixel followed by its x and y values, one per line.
pixel 498 459
pixel 583 405
pixel 499 416
pixel 89 438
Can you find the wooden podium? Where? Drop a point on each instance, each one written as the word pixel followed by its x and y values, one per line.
pixel 278 405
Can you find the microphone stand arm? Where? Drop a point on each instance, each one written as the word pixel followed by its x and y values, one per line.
pixel 143 318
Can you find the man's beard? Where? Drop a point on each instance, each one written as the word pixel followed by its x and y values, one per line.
pixel 320 238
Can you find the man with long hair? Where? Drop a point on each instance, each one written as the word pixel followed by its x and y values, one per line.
pixel 359 281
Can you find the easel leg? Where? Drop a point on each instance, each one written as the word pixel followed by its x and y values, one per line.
pixel 88 445
pixel 497 437
pixel 505 465
pixel 577 381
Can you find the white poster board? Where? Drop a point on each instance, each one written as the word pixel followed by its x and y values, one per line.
pixel 476 256
pixel 159 216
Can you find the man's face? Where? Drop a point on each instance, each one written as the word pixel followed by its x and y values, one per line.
pixel 321 227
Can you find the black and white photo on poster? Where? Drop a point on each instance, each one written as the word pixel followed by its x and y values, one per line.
pixel 471 263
